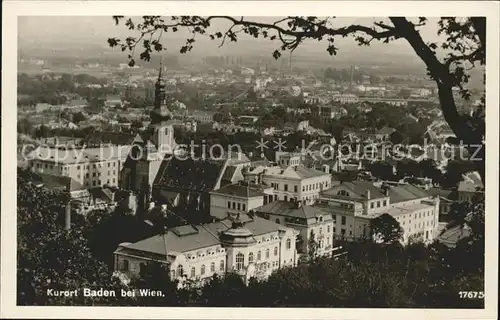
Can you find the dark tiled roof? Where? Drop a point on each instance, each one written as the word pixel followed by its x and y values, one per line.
pixel 57 182
pixel 238 190
pixel 406 192
pixel 359 188
pixel 290 209
pixel 190 174
pixel 116 138
pixel 190 238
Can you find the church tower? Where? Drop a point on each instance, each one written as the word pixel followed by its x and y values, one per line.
pixel 162 130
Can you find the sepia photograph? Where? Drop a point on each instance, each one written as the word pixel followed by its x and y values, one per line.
pixel 289 163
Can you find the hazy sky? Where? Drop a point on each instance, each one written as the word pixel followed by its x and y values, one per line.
pixel 96 29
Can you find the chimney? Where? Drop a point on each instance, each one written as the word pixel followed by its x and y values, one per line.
pixel 368 194
pixel 298 203
pixel 67 220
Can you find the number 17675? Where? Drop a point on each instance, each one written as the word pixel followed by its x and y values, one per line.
pixel 471 294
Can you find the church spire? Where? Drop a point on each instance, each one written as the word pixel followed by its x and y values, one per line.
pixel 161 69
pixel 160 112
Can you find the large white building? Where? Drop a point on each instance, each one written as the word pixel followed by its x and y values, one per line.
pixel 245 244
pixel 291 183
pixel 238 198
pixel 89 167
pixel 354 204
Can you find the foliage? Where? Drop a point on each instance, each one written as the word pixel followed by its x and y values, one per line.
pixel 386 229
pixel 50 257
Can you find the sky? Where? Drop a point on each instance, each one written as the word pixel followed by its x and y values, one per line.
pixel 83 30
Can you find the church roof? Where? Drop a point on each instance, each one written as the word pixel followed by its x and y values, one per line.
pixel 200 175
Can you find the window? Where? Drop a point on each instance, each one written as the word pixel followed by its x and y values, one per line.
pixel 295 189
pixel 229 204
pixel 212 267
pixel 343 193
pixel 328 229
pixel 240 261
pixel 193 272
pixel 385 203
pixel 303 188
pixel 286 187
pixel 250 257
pixel 93 174
pixel 78 167
pixel 234 205
pixel 343 220
pixel 180 270
pixel 239 206
pixel 202 269
pixel 221 266
pixel 267 253
pixel 172 273
pixel 378 204
pixel 342 232
pixel 125 265
pixel 275 251
pixel 244 207
pixel 288 244
pixel 334 217
pixel 286 198
pixel 372 205
pixel 259 257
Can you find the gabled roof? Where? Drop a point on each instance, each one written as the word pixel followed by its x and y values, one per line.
pixel 406 192
pixel 200 175
pixel 240 190
pixel 290 209
pixel 359 188
pixel 54 182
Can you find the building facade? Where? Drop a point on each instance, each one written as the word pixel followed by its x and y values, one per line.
pixel 355 203
pixel 245 244
pixel 90 167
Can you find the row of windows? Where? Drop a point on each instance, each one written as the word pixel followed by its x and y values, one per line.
pixel 65 168
pixel 384 204
pixel 421 224
pixel 236 206
pixel 180 269
pixel 315 186
pixel 95 166
pixel 99 182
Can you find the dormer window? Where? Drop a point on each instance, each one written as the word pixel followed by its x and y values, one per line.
pixel 343 193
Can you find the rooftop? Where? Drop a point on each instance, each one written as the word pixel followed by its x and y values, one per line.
pixel 190 174
pixel 240 190
pixel 396 211
pixel 116 138
pixel 189 238
pixel 359 188
pixel 406 192
pixel 290 209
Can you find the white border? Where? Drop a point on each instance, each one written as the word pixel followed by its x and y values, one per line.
pixel 12 9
